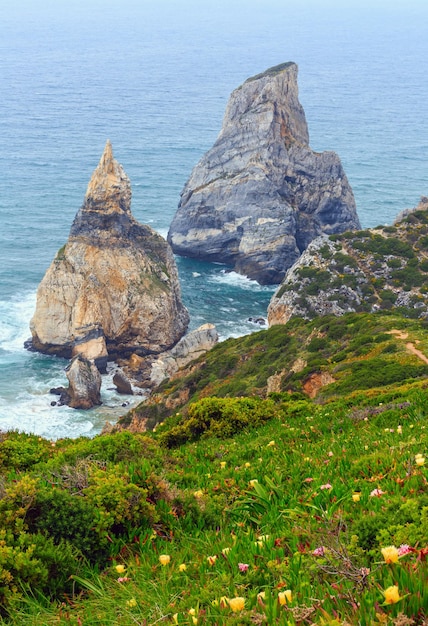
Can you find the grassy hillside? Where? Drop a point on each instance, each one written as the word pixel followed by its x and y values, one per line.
pixel 324 358
pixel 285 483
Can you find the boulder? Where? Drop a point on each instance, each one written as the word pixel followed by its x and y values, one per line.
pixel 84 379
pixel 189 348
pixel 260 195
pixel 113 289
pixel 122 383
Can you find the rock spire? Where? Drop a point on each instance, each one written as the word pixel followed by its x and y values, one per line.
pixel 113 289
pixel 260 195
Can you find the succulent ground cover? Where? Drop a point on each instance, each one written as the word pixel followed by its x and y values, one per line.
pixel 267 509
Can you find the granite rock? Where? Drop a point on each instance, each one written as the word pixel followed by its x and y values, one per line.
pixel 260 195
pixel 113 289
pixel 84 379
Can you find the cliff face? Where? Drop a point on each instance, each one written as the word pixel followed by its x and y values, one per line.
pixel 113 289
pixel 371 270
pixel 261 195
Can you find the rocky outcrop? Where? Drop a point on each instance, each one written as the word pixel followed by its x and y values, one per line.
pixel 151 370
pixel 84 379
pixel 384 268
pixel 261 195
pixel 189 348
pixel 113 289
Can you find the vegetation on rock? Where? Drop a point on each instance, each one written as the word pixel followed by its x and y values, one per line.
pixel 381 269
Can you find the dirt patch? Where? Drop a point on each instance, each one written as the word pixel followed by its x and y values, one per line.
pixel 409 346
pixel 317 381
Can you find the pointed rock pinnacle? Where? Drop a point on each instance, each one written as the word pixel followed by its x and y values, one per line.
pixel 109 189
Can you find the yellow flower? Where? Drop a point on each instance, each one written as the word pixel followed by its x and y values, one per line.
pixel 222 464
pixel 164 559
pixel 263 537
pixel 212 559
pixel 419 460
pixel 270 444
pixel 175 618
pixel 390 554
pixel 194 619
pixel 131 603
pixel 391 595
pixel 192 611
pixel 182 567
pixel 237 604
pixel 225 551
pixel 253 482
pixel 198 494
pixel 247 465
pixel 120 569
pixel 285 596
pixel 224 601
pixel 356 496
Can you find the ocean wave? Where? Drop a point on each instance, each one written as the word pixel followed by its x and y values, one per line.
pixel 233 279
pixel 15 315
pixel 31 408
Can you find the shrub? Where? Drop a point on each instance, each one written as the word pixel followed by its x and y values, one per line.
pixel 69 518
pixel 19 451
pixel 221 417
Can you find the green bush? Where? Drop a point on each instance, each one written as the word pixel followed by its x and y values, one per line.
pixel 72 518
pixel 32 560
pixel 220 417
pixel 19 451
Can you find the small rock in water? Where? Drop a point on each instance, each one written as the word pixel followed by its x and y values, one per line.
pixel 257 320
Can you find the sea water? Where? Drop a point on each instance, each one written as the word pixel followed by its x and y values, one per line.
pixel 154 77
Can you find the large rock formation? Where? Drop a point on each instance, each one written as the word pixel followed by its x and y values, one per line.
pixel 383 268
pixel 261 195
pixel 113 289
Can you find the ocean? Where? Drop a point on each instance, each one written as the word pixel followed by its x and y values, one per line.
pixel 154 77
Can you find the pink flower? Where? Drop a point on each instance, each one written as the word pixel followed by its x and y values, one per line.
pixel 326 486
pixel 123 579
pixel 404 549
pixel 377 492
pixel 318 551
pixel 243 567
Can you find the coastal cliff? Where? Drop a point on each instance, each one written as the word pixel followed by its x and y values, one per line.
pixel 260 195
pixel 113 289
pixel 379 269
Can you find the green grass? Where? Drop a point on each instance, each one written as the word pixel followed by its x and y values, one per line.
pixel 354 349
pixel 290 480
pixel 281 500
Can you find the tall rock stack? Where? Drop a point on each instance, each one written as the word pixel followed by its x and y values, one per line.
pixel 113 289
pixel 260 195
